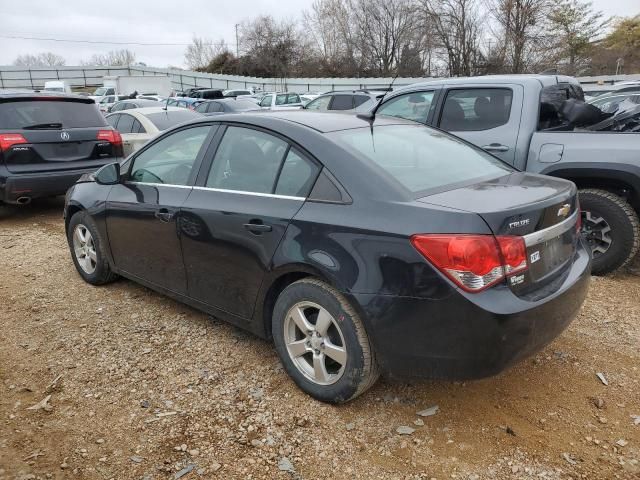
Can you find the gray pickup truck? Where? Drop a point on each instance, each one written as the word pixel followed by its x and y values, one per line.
pixel 540 123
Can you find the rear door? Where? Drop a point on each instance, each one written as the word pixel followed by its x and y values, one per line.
pixel 143 211
pixel 237 214
pixel 485 116
pixel 59 134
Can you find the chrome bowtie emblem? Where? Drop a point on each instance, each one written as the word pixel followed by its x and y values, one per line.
pixel 64 136
pixel 564 210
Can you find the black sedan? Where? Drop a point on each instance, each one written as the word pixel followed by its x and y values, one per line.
pixel 359 246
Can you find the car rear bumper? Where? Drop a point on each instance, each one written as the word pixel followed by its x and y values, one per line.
pixel 42 184
pixel 465 336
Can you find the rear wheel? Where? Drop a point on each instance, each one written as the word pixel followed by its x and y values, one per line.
pixel 87 250
pixel 322 342
pixel 611 228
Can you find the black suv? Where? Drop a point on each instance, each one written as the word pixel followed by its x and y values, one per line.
pixel 47 141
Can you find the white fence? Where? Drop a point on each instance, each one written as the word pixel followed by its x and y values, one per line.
pixel 86 77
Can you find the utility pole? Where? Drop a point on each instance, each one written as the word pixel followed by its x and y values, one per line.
pixel 237 42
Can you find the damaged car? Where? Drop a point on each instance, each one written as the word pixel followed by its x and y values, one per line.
pixel 541 124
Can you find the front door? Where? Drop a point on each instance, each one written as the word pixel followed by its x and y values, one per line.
pixel 487 117
pixel 143 211
pixel 234 220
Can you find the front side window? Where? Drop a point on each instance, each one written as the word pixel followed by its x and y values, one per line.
pixel 247 160
pixel 117 107
pixel 202 108
pixel 342 102
pixel 281 99
pixel 421 158
pixel 411 106
pixel 320 103
pixel 476 109
pixel 293 98
pixel 170 160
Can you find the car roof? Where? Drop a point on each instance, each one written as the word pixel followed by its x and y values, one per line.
pixel 7 93
pixel 545 80
pixel 321 122
pixel 148 110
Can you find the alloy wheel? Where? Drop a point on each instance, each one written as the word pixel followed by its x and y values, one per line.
pixel 597 232
pixel 315 343
pixel 84 249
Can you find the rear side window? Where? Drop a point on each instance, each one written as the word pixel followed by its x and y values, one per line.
pixel 360 99
pixel 293 98
pixel 281 99
pixel 420 158
pixel 476 109
pixel 202 108
pixel 342 102
pixel 137 127
pixel 164 120
pixel 22 114
pixel 126 123
pixel 297 175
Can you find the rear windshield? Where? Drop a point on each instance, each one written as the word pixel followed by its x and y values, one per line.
pixel 243 105
pixel 420 158
pixel 164 120
pixel 21 114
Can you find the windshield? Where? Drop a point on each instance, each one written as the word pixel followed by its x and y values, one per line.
pixel 421 158
pixel 59 114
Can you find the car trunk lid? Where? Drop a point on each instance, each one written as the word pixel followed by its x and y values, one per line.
pixel 543 210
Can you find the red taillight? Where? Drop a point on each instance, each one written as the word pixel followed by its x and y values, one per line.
pixel 8 140
pixel 111 136
pixel 474 262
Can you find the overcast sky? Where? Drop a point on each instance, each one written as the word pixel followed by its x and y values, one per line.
pixel 151 21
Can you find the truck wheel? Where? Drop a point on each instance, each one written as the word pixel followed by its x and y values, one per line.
pixel 611 228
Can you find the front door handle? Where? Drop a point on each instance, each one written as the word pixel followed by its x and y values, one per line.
pixel 495 147
pixel 164 215
pixel 257 227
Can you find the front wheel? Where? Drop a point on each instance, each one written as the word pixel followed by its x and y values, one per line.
pixel 611 228
pixel 322 343
pixel 87 250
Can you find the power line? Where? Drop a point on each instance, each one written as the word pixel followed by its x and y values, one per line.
pixel 18 37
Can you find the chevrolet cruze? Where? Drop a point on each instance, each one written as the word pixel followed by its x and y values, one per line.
pixel 361 246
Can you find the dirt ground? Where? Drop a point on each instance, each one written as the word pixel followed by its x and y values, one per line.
pixel 142 387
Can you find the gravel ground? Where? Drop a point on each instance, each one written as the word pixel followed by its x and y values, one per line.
pixel 141 387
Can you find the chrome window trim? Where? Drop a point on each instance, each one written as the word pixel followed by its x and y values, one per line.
pixel 157 184
pixel 552 231
pixel 256 194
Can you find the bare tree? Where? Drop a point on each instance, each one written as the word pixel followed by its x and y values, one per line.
pixel 122 57
pixel 44 59
pixel 202 51
pixel 457 27
pixel 522 32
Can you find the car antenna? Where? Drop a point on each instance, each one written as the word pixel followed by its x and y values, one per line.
pixel 166 102
pixel 371 116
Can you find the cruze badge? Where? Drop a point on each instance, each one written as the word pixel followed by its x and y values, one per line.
pixel 519 223
pixel 564 210
pixel 64 135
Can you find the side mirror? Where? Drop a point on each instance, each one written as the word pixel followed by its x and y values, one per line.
pixel 108 175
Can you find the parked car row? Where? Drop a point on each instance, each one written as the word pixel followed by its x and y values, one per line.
pixel 442 230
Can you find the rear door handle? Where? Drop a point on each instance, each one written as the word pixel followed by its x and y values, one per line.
pixel 495 147
pixel 257 227
pixel 164 215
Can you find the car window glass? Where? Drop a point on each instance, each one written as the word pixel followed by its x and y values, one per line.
pixel 412 106
pixel 320 103
pixel 360 99
pixel 281 99
pixel 215 107
pixel 137 127
pixel 116 107
pixel 247 160
pixel 293 98
pixel 476 109
pixel 125 123
pixel 297 175
pixel 342 102
pixel 266 101
pixel 171 159
pixel 202 108
pixel 113 120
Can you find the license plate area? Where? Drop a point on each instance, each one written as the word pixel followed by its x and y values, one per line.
pixel 548 256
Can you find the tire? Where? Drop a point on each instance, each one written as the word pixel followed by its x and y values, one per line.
pixel 611 227
pixel 345 381
pixel 101 272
